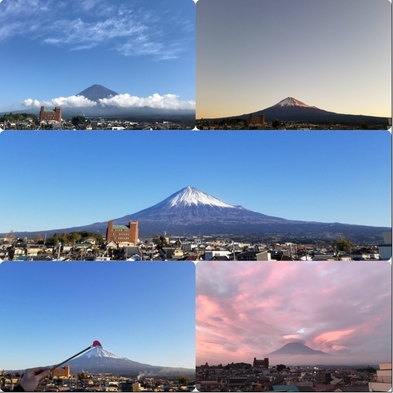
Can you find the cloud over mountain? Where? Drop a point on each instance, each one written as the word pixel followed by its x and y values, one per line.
pixel 166 101
pixel 66 102
pixel 250 309
pixel 99 96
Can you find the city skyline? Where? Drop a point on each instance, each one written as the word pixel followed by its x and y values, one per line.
pixel 249 309
pixel 63 179
pixel 56 309
pixel 143 51
pixel 333 55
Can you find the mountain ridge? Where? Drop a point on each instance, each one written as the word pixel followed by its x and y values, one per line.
pixel 99 360
pixel 191 211
pixel 291 109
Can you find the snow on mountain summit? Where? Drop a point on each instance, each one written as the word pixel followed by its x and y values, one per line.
pixel 191 196
pixel 99 352
pixel 290 101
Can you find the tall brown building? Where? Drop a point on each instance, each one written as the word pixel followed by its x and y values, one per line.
pixel 62 372
pixel 256 120
pixel 123 233
pixel 54 114
pixel 261 363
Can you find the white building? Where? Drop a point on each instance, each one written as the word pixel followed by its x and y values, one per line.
pixel 384 379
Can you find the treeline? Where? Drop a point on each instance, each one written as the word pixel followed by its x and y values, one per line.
pixel 15 117
pixel 232 366
pixel 73 237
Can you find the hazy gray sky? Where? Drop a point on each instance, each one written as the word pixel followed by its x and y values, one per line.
pixel 331 54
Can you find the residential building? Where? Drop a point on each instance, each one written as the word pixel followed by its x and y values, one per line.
pixel 53 115
pixel 385 249
pixel 261 363
pixel 256 120
pixel 323 377
pixel 62 372
pixel 122 233
pixel 384 379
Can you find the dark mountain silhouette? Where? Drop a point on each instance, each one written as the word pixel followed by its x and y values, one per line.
pixel 294 349
pixel 193 212
pixel 96 92
pixel 291 109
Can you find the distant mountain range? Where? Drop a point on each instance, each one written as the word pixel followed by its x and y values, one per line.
pixel 291 109
pixel 98 360
pixel 193 212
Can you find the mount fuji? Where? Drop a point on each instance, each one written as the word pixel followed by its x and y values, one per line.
pixel 144 113
pixel 98 360
pixel 97 92
pixel 296 354
pixel 193 212
pixel 295 349
pixel 291 109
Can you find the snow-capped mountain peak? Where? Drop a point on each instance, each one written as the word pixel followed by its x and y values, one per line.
pixel 191 196
pixel 100 352
pixel 290 101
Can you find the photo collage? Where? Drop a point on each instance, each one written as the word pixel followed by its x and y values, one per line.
pixel 197 196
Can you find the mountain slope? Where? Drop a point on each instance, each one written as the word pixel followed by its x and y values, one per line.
pixel 96 92
pixel 193 212
pixel 98 360
pixel 294 349
pixel 291 109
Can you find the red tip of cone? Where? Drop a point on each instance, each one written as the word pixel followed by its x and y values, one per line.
pixel 96 344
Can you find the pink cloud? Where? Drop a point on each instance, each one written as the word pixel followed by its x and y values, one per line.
pixel 248 309
pixel 332 340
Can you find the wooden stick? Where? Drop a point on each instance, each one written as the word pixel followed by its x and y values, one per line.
pixel 65 361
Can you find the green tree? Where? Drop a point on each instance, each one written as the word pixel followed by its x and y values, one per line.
pixel 342 244
pixel 160 241
pixel 183 380
pixel 53 240
pixel 78 120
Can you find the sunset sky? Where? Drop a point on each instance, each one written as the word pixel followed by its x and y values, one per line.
pixel 54 49
pixel 249 309
pixel 334 55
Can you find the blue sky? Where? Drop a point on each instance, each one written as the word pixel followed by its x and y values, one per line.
pixel 142 311
pixel 335 55
pixel 55 49
pixel 54 180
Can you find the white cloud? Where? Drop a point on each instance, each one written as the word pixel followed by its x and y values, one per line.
pixel 86 5
pixel 157 101
pixel 141 46
pixel 167 101
pixel 16 18
pixel 66 102
pixel 79 32
pixel 133 31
